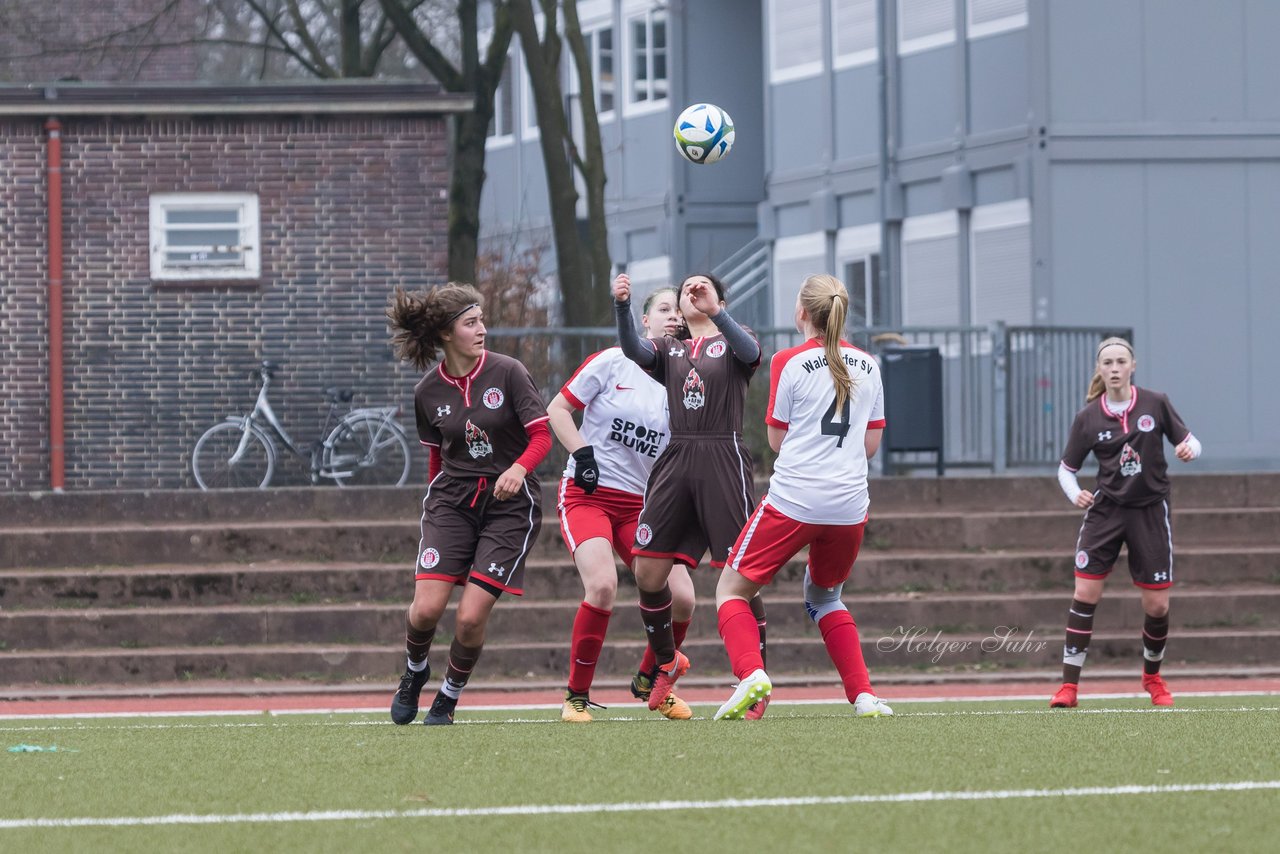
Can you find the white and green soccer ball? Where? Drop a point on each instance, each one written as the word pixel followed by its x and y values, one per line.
pixel 704 133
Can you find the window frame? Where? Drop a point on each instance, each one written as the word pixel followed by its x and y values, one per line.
pixel 652 103
pixel 1005 24
pixel 920 44
pixel 504 88
pixel 592 35
pixel 801 70
pixel 866 56
pixel 249 226
pixel 999 217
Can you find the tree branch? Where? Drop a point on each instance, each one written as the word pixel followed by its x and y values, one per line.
pixel 421 47
pixel 313 49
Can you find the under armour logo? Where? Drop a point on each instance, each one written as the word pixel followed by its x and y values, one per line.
pixel 442 411
pixel 1161 576
pixel 675 351
pixel 496 570
pixel 1104 435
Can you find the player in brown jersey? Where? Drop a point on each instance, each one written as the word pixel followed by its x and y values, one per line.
pixel 700 491
pixel 1125 427
pixel 484 425
pixel 624 430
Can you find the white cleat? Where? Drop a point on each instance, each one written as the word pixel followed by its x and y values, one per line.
pixel 750 691
pixel 871 706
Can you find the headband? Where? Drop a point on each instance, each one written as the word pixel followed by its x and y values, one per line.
pixel 461 312
pixel 1108 342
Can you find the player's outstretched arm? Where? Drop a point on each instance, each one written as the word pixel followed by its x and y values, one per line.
pixel 637 349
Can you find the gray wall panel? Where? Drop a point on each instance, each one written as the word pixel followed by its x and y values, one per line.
pixel 1263 310
pixel 928 97
pixel 995 185
pixel 858 209
pixel 798 131
pixel 924 198
pixel 1193 60
pixel 1262 60
pixel 857 112
pixel 1095 71
pixel 999 81
pixel 1099 258
pixel 1197 294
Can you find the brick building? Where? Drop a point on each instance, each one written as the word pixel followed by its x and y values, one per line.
pixel 336 193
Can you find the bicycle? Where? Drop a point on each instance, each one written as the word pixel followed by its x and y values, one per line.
pixel 366 447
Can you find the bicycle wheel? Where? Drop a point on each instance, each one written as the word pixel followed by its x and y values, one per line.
pixel 218 462
pixel 367 450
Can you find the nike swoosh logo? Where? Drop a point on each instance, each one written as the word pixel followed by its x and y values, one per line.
pixel 623 387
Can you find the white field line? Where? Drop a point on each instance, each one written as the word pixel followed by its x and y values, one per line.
pixel 529 707
pixel 32 726
pixel 633 806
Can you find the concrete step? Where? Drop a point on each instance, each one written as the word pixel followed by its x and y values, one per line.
pixel 889 494
pixel 377 540
pixel 534 661
pixel 878 616
pixel 302 582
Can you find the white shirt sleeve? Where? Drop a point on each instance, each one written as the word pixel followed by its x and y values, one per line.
pixel 1069 483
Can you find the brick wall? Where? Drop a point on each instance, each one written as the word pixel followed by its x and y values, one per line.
pixel 349 209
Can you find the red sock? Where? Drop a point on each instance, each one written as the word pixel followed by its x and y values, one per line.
pixel 589 628
pixel 741 637
pixel 679 629
pixel 840 634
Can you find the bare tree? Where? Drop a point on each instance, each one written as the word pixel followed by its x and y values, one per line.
pixel 474 75
pixel 584 270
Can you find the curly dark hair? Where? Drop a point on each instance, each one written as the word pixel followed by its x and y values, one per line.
pixel 417 320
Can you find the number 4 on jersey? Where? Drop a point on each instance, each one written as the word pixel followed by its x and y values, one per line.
pixel 831 427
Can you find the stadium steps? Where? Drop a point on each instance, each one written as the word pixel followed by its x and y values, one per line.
pixel 311 585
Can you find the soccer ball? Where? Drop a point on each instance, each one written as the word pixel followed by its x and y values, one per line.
pixel 704 133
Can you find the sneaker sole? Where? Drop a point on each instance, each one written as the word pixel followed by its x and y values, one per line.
pixel 737 706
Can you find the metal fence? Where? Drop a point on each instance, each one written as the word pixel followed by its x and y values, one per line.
pixel 1009 392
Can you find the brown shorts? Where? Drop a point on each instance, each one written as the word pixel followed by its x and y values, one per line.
pixel 1147 531
pixel 699 496
pixel 467 534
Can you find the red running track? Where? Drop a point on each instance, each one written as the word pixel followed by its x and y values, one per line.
pixel 344 701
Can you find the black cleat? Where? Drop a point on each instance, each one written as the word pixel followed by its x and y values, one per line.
pixel 404 703
pixel 441 711
pixel 642 684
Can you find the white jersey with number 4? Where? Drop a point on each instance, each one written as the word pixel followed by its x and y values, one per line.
pixel 624 418
pixel 820 476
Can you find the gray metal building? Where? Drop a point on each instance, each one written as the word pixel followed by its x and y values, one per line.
pixel 1105 163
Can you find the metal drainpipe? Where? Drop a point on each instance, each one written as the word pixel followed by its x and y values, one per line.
pixel 57 448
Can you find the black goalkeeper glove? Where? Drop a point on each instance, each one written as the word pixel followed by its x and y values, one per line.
pixel 586 474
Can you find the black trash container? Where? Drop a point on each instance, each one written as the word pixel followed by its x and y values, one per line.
pixel 912 401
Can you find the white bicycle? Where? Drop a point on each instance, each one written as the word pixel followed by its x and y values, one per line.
pixel 365 447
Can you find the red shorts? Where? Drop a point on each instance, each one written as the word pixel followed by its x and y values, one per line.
pixel 608 513
pixel 770 539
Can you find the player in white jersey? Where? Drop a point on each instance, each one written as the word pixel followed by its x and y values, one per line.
pixel 625 427
pixel 825 419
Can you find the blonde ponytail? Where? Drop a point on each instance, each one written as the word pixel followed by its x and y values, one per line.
pixel 826 301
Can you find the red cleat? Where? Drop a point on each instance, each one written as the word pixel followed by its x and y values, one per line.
pixel 1066 697
pixel 666 678
pixel 1153 684
pixel 756 712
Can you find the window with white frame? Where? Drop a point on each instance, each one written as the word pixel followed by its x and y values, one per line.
pixel 854 39
pixel 794 259
pixel 987 17
pixel 502 126
pixel 925 24
pixel 931 270
pixel 1000 263
pixel 795 39
pixel 600 55
pixel 858 254
pixel 528 106
pixel 204 236
pixel 647 45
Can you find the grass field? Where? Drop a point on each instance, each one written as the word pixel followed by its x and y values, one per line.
pixel 956 776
